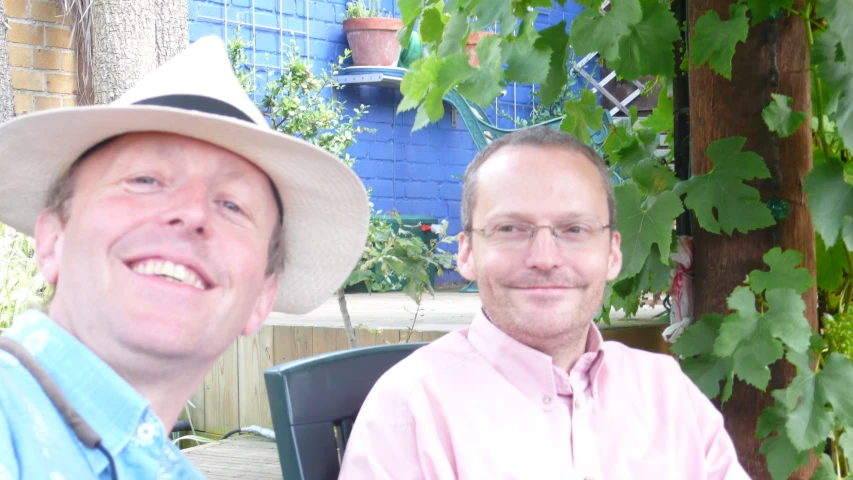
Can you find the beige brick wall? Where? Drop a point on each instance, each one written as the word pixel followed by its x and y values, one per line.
pixel 41 55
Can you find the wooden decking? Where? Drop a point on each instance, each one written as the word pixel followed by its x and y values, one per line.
pixel 241 457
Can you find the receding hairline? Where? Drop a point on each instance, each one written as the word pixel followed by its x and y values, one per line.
pixel 539 137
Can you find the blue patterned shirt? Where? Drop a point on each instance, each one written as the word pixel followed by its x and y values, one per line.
pixel 35 441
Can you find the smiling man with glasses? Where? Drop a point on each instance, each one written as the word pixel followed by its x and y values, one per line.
pixel 531 390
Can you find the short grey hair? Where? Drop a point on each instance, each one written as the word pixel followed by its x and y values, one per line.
pixel 61 193
pixel 540 136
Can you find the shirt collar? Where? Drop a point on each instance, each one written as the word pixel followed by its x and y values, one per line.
pixel 531 371
pixel 106 401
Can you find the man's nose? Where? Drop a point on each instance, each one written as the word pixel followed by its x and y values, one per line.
pixel 191 209
pixel 544 253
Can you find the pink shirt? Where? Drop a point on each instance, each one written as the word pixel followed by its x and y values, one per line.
pixel 477 404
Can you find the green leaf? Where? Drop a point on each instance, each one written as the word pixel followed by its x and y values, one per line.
pixel 432 25
pixel 526 59
pixel 455 34
pixel 834 383
pixel 699 338
pixel 832 57
pixel 780 118
pixel 763 9
pixel 746 336
pixel 771 419
pixel 656 32
pixel 783 272
pixel 643 223
pixel 556 39
pixel 654 177
pixel 490 12
pixel 786 318
pixel 660 274
pixel 809 421
pixel 485 83
pixel 410 10
pixel 706 372
pixel 826 471
pixel 714 40
pixel 831 264
pixel 582 115
pixel 417 82
pixel 830 201
pixel 782 456
pixel 738 205
pixel 846 444
pixel 594 32
pixel 662 116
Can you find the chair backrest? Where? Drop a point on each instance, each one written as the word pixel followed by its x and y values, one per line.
pixel 314 402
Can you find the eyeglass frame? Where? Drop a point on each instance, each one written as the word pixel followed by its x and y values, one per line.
pixel 534 229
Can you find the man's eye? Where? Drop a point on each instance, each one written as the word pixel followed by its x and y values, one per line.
pixel 232 206
pixel 144 180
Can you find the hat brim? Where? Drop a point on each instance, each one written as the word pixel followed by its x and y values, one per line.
pixel 326 210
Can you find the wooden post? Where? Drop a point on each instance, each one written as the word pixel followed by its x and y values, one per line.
pixel 775 59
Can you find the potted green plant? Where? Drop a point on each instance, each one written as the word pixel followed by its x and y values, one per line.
pixel 372 37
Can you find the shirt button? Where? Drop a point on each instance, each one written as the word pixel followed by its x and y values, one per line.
pixel 546 400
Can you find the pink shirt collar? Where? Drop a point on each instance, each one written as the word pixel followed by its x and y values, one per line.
pixel 533 372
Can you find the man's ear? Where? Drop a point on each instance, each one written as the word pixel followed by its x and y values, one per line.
pixel 263 306
pixel 49 235
pixel 465 258
pixel 614 262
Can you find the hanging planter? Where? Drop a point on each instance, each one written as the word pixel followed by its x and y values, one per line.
pixel 471 47
pixel 372 38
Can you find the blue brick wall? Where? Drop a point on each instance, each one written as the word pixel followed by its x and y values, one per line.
pixel 416 173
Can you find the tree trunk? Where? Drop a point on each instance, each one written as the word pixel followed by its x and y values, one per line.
pixel 7 102
pixel 123 45
pixel 172 28
pixel 775 59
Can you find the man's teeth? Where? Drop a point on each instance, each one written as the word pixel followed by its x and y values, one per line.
pixel 170 271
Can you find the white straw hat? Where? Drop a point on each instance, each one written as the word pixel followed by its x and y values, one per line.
pixel 197 95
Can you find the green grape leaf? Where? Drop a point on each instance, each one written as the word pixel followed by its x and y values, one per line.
pixel 830 201
pixel 846 444
pixel 763 9
pixel 662 116
pixel 638 148
pixel 782 456
pixel 747 337
pixel 786 318
pixel 706 372
pixel 832 57
pixel 526 60
pixel 780 118
pixel 455 33
pixel 590 4
pixel 784 272
pixel 417 82
pixel 833 382
pixel 491 12
pixel 839 16
pixel 556 40
pixel 643 223
pixel 432 25
pixel 657 32
pixel 714 40
pixel 722 189
pixel 826 471
pixel 582 115
pixel 770 420
pixel 410 10
pixel 809 422
pixel 485 83
pixel 594 32
pixel 659 273
pixel 699 338
pixel 617 139
pixel 654 177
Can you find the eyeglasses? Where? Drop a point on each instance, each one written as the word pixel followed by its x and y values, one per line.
pixel 520 235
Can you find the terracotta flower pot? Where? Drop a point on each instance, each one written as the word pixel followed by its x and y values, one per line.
pixel 373 40
pixel 471 47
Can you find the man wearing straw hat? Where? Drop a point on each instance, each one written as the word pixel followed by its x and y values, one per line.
pixel 174 220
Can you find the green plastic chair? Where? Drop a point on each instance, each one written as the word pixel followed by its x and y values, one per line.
pixel 314 402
